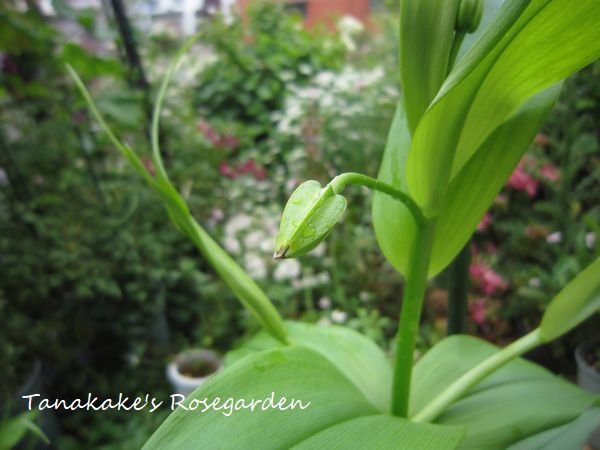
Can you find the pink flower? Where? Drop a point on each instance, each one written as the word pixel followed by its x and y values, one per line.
pixel 550 172
pixel 209 132
pixel 228 141
pixel 489 281
pixel 522 181
pixel 477 311
pixel 227 171
pixel 484 223
pixel 257 171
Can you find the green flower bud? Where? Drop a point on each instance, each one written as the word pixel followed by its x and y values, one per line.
pixel 469 15
pixel 308 218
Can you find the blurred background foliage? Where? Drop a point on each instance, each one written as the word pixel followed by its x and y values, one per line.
pixel 98 291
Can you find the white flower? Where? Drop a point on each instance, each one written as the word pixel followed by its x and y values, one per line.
pixel 237 223
pixel 253 239
pixel 232 245
pixel 324 303
pixel 289 268
pixel 338 316
pixel 311 281
pixel 535 282
pixel 590 240
pixel 319 250
pixel 364 296
pixel 554 238
pixel 325 78
pixel 255 266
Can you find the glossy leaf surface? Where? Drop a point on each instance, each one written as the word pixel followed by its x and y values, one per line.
pixel 355 355
pixel 383 432
pixel 529 47
pixel 572 436
pixel 309 216
pixel 519 400
pixel 575 303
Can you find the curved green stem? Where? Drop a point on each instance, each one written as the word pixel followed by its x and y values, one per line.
pixel 412 304
pixel 160 169
pixel 340 182
pixel 465 383
pixel 245 289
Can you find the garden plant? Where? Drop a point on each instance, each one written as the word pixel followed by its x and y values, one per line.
pixel 478 79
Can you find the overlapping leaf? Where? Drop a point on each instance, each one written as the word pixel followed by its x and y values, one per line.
pixel 353 354
pixel 530 46
pixel 383 432
pixel 572 436
pixel 486 150
pixel 575 303
pixel 294 372
pixel 517 401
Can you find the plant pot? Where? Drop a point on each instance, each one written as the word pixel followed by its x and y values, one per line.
pixel 587 376
pixel 192 368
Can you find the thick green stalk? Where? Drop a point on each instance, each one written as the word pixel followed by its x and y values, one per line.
pixel 465 383
pixel 412 303
pixel 339 183
pixel 458 290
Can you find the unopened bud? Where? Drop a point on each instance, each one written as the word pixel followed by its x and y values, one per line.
pixel 469 15
pixel 308 218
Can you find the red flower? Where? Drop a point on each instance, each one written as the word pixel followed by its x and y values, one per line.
pixel 477 311
pixel 522 181
pixel 227 171
pixel 484 223
pixel 550 172
pixel 490 282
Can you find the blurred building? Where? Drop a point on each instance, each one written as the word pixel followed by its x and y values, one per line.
pixel 182 16
pixel 326 12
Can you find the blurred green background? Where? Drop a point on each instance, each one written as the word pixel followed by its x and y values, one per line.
pixel 97 289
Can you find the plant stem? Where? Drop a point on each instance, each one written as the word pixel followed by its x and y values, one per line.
pixel 465 383
pixel 339 183
pixel 458 290
pixel 412 303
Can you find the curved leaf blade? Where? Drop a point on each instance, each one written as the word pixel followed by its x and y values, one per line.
pixel 572 436
pixel 575 303
pixel 359 358
pixel 519 400
pixel 530 46
pixel 293 372
pixel 384 432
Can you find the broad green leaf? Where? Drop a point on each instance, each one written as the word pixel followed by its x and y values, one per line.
pixel 453 357
pixel 517 401
pixel 384 432
pixel 293 372
pixel 309 216
pixel 530 46
pixel 359 358
pixel 393 224
pixel 426 34
pixel 495 160
pixel 468 197
pixel 575 303
pixel 572 436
